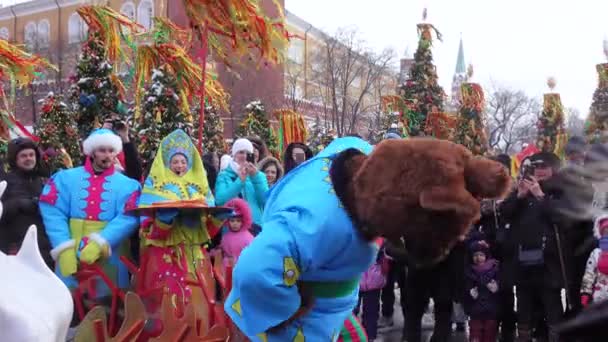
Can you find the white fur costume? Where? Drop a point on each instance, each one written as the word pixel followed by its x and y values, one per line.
pixel 35 305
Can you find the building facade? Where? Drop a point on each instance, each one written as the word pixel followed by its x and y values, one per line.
pixel 53 30
pixel 308 89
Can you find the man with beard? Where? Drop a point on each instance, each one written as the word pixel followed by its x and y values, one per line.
pixel 85 212
pixel 20 201
pixel 543 259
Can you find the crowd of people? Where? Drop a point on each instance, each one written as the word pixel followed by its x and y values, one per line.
pixel 544 247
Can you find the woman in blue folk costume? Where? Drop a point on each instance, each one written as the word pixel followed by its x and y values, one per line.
pixel 308 242
pixel 172 238
pixel 85 212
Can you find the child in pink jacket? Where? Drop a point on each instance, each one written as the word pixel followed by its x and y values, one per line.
pixel 372 282
pixel 238 235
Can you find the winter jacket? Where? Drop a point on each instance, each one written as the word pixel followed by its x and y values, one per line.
pixel 595 282
pixel 20 202
pixel 486 305
pixel 535 223
pixel 498 233
pixel 595 278
pixel 253 190
pixel 375 276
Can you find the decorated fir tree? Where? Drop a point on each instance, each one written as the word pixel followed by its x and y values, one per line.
pixel 256 123
pixel 96 92
pixel 58 134
pixel 320 136
pixel 470 127
pixel 550 125
pixel 596 127
pixel 161 113
pixel 422 93
pixel 386 123
pixel 213 130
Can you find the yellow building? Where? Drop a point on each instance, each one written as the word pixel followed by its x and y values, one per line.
pixel 309 88
pixel 53 29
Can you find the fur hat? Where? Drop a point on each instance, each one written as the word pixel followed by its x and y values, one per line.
pixel 545 158
pixel 264 163
pixel 601 223
pixel 225 161
pixel 479 246
pixel 17 145
pixel 575 144
pixel 242 145
pixel 101 137
pixel 241 209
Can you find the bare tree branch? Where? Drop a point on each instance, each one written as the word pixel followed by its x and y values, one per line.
pixel 348 75
pixel 511 118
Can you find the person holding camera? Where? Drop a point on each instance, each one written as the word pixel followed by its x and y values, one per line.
pixel 543 254
pixel 242 179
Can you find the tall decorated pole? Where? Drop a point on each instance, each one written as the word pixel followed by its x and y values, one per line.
pixel 551 132
pixel 175 80
pixel 596 126
pixel 235 29
pixel 470 127
pixel 422 93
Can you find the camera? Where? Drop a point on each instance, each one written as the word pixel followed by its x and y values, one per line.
pixel 118 125
pixel 250 158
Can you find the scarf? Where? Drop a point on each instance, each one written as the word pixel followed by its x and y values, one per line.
pixel 235 167
pixel 602 263
pixel 486 266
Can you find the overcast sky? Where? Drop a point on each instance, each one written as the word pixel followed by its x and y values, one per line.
pixel 518 43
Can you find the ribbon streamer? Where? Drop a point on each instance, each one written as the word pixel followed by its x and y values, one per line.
pixel 109 24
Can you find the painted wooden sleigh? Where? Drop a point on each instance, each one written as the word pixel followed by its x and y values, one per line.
pixel 202 320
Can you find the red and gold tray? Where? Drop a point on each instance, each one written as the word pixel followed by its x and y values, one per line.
pixel 185 205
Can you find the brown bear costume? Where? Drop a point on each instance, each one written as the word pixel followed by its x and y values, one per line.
pixel 424 190
pixel 300 276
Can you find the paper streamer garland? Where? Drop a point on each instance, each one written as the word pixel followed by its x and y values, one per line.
pixel 241 26
pixel 109 24
pixel 292 128
pixel 551 132
pixel 470 128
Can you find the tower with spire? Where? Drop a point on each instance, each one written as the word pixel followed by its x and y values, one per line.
pixel 460 76
pixel 406 64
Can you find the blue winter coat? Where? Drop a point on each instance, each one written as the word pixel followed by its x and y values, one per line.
pixel 228 186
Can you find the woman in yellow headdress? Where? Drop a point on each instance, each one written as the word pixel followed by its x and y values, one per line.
pixel 172 238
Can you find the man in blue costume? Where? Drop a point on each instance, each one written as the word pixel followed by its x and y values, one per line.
pixel 85 212
pixel 298 280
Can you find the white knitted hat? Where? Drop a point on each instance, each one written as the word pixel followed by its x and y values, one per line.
pixel 242 145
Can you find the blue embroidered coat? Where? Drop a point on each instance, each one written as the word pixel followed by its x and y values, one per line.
pixel 306 237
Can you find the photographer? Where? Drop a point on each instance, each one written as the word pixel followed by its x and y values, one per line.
pixel 129 158
pixel 242 179
pixel 543 256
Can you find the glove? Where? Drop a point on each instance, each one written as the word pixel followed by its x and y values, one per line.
pixel 90 253
pixel 166 216
pixel 585 299
pixel 68 264
pixel 474 293
pixel 493 286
